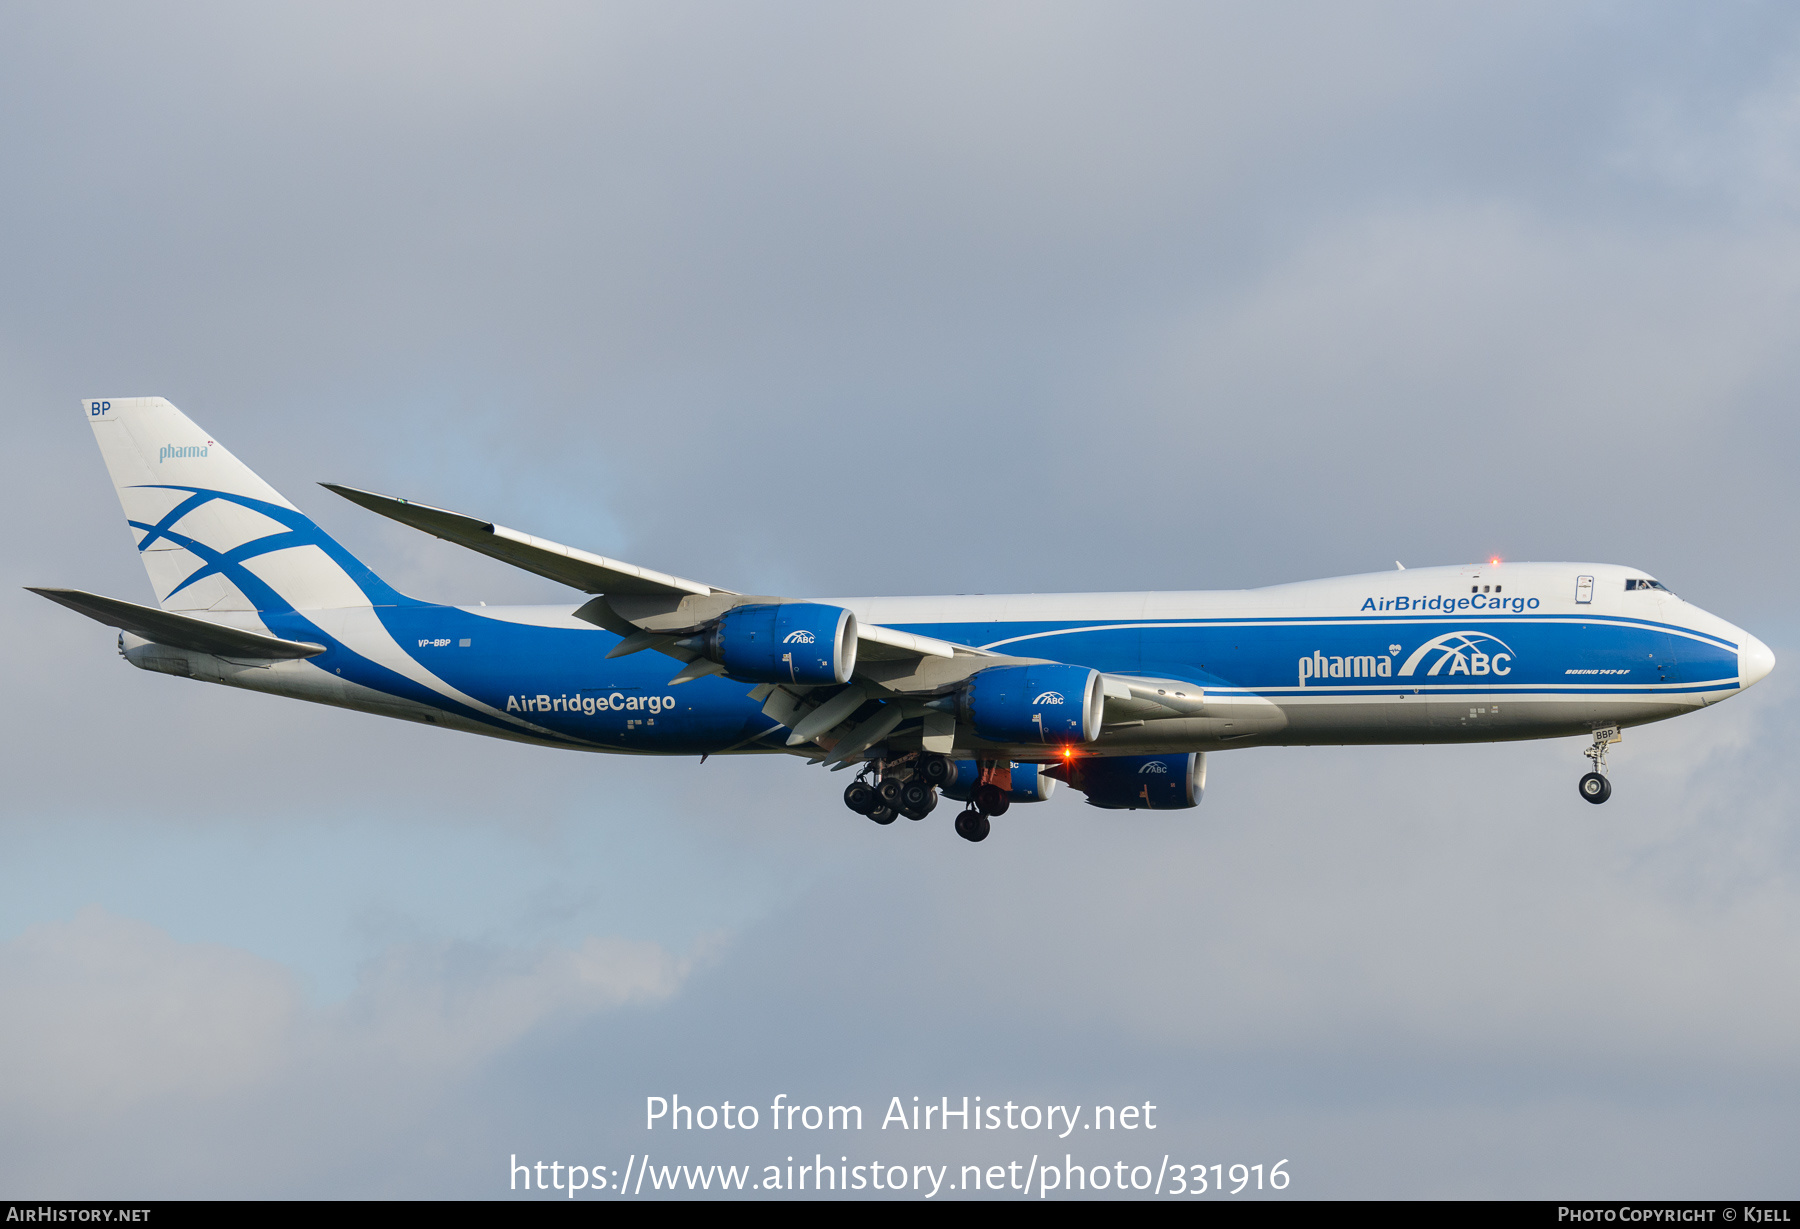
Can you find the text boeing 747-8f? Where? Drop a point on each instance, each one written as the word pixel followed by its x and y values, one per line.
pixel 985 699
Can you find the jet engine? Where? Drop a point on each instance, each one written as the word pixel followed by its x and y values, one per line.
pixel 1137 782
pixel 789 642
pixel 1029 783
pixel 1034 704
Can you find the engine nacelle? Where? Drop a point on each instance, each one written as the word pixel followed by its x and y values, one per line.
pixel 1034 704
pixel 1029 782
pixel 1138 782
pixel 792 642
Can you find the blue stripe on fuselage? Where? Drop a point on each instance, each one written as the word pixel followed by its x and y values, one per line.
pixel 559 678
pixel 1264 654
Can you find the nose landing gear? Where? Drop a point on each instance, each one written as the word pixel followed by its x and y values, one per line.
pixel 972 825
pixel 1594 786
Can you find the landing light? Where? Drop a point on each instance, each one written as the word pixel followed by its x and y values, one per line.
pixel 1494 562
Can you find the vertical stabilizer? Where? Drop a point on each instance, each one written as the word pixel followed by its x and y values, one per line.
pixel 214 536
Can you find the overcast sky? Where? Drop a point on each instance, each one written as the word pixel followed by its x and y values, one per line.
pixel 916 298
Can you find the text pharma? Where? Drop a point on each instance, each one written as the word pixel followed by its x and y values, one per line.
pixel 1450 605
pixel 1319 666
pixel 1457 654
pixel 617 702
pixel 178 451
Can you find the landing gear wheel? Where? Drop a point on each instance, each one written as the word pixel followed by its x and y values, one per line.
pixel 923 809
pixel 972 825
pixel 937 770
pixel 915 795
pixel 884 815
pixel 890 790
pixel 860 798
pixel 1595 788
pixel 990 799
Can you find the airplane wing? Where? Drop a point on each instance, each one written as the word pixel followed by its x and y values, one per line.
pixel 895 671
pixel 654 623
pixel 576 568
pixel 179 631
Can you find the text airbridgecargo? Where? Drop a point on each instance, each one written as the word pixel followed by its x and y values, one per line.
pixel 1452 605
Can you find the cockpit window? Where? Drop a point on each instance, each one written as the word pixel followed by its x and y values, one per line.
pixel 1645 583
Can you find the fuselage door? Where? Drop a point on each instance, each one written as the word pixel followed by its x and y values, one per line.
pixel 1584 590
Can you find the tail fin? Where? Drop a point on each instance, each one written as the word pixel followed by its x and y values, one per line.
pixel 212 535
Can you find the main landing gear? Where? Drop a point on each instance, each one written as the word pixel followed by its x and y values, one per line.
pixel 863 798
pixel 908 785
pixel 907 789
pixel 1594 786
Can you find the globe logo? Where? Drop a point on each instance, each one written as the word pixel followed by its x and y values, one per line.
pixel 1462 653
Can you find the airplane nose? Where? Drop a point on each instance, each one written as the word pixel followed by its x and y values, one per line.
pixel 1754 661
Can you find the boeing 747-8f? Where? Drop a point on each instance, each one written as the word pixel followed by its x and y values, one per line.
pixel 985 699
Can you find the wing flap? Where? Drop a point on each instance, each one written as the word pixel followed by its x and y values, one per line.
pixel 179 631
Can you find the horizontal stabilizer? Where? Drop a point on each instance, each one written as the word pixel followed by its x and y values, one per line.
pixel 564 564
pixel 178 631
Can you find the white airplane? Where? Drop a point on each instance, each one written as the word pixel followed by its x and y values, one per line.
pixel 985 699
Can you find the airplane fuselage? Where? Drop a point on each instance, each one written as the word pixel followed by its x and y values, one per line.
pixel 1445 654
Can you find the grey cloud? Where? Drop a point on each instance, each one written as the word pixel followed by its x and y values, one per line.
pixel 111 1026
pixel 105 1014
pixel 1313 963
